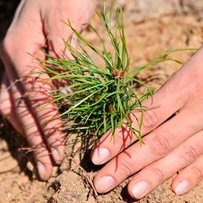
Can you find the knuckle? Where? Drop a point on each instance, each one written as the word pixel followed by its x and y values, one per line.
pixel 158 173
pixel 127 166
pixel 124 136
pixel 8 47
pixel 5 112
pixel 150 119
pixel 190 153
pixel 5 108
pixel 7 44
pixel 160 145
pixel 40 150
pixel 196 170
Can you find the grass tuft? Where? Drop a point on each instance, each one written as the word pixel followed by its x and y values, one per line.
pixel 94 99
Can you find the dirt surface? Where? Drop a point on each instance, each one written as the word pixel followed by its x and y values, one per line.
pixel 151 27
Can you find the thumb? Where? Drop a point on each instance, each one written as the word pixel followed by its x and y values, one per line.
pixel 78 13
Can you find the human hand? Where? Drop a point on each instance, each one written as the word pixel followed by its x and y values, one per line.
pixel 24 97
pixel 173 129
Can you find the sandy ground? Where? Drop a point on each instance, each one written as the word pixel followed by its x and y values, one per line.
pixel 151 27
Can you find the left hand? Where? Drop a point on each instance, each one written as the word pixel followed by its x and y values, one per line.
pixel 25 99
pixel 173 125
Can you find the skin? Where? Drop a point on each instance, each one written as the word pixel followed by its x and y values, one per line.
pixel 38 28
pixel 173 137
pixel 172 126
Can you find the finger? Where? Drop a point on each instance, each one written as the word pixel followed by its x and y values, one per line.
pixel 189 177
pixel 50 125
pixel 9 111
pixel 25 116
pixel 7 106
pixel 157 144
pixel 157 172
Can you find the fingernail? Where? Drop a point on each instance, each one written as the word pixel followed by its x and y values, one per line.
pixel 100 155
pixel 140 189
pixel 182 187
pixel 56 156
pixel 104 184
pixel 41 170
